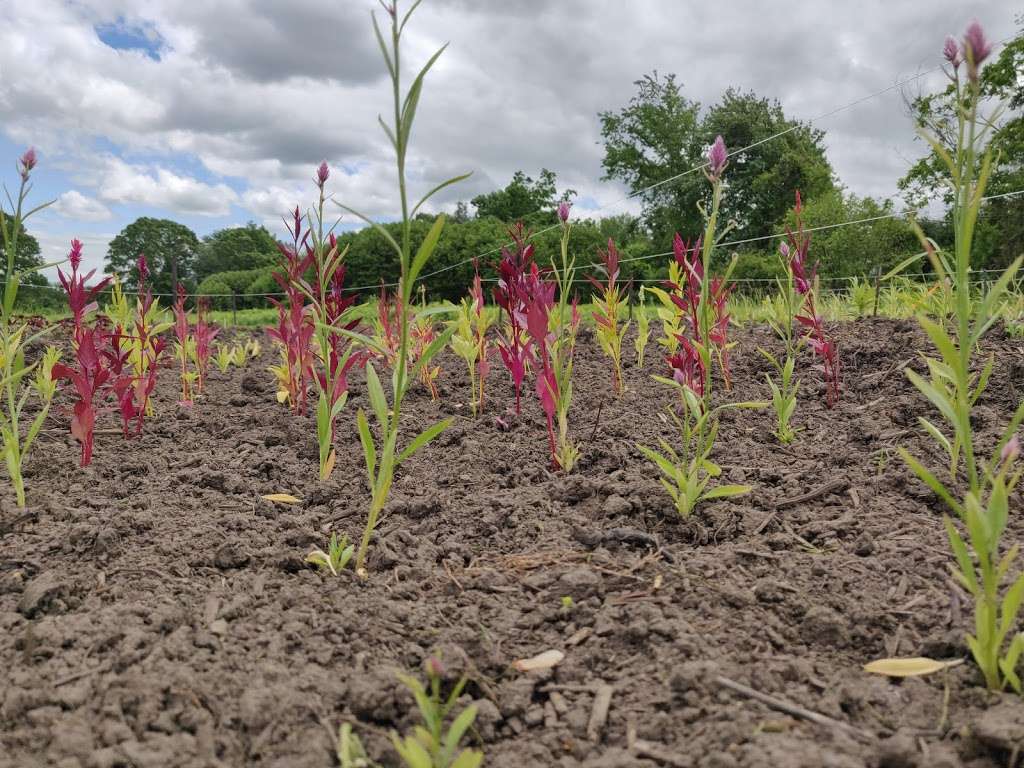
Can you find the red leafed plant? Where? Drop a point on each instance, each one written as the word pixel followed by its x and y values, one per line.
pixel 814 327
pixel 203 334
pixel 512 294
pixel 389 324
pixel 89 375
pixel 88 378
pixel 295 329
pixel 687 297
pixel 185 344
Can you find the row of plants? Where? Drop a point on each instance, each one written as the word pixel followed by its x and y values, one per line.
pixel 116 355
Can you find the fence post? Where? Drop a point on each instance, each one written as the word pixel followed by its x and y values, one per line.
pixel 234 309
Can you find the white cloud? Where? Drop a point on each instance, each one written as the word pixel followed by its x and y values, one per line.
pixel 74 205
pixel 161 188
pixel 262 91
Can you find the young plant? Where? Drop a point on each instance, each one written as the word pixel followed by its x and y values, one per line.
pixel 511 294
pixel 253 348
pixel 391 314
pixel 432 745
pixel 203 335
pixel 384 457
pixel 239 355
pixel 687 473
pixel 469 341
pixel 554 339
pixel 294 330
pixel 328 313
pixel 423 335
pixel 606 314
pixel 805 285
pixel 977 491
pixel 146 344
pixel 185 347
pixel 335 558
pixel 643 330
pixel 225 357
pixel 783 397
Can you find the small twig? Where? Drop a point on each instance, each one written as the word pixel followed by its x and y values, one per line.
pixel 599 714
pixel 79 675
pixel 782 705
pixel 832 486
pixel 644 748
pixel 597 420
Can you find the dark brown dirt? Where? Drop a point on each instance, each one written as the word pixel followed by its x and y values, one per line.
pixel 155 612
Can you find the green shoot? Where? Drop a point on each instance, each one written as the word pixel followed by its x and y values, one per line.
pixel 335 558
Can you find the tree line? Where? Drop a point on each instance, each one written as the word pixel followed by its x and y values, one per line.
pixel 651 145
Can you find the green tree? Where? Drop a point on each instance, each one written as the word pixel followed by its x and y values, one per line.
pixel 1000 236
pixel 661 135
pixel 171 249
pixel 522 198
pixel 235 249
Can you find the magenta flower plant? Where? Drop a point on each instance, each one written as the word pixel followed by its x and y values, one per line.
pixel 687 472
pixel 16 385
pixel 979 490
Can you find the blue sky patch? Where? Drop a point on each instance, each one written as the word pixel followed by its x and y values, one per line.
pixel 123 35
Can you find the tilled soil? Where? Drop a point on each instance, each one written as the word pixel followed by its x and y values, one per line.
pixel 156 612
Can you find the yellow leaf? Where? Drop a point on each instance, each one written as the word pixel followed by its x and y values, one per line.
pixel 909 667
pixel 328 465
pixel 545 660
pixel 282 395
pixel 281 498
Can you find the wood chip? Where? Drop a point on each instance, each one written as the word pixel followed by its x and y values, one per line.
pixel 599 713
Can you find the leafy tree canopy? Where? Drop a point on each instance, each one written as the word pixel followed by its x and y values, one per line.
pixel 171 250
pixel 660 136
pixel 235 249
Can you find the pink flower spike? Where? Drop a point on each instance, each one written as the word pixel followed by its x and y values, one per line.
pixel 75 256
pixel 143 268
pixel 975 42
pixel 563 211
pixel 952 52
pixel 27 162
pixel 1011 450
pixel 322 173
pixel 717 157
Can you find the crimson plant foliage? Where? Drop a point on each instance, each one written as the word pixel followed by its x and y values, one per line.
pixel 511 294
pixel 805 284
pixel 295 328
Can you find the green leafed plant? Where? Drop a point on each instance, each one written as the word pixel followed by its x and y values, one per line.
pixel 337 556
pixel 643 331
pixel 977 490
pixel 469 341
pixel 16 384
pixel 381 453
pixel 224 358
pixel 688 473
pixel 431 745
pixel 783 397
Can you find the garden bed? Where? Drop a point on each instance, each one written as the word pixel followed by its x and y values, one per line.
pixel 155 611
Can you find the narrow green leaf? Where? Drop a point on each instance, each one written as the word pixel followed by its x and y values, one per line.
pixel 426 248
pixel 422 439
pixel 369 448
pixel 375 392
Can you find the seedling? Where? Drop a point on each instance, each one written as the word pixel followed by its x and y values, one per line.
pixel 783 397
pixel 185 346
pixel 606 316
pixel 431 745
pixel 983 504
pixel 688 473
pixel 643 331
pixel 511 294
pixel 384 457
pixel 469 341
pixel 225 358
pixel 335 558
pixel 554 340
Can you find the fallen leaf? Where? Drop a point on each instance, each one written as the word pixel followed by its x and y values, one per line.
pixel 281 498
pixel 545 660
pixel 909 667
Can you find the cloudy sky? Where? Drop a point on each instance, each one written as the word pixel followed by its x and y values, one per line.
pixel 215 112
